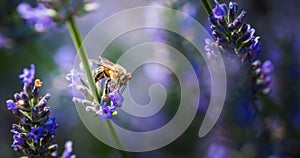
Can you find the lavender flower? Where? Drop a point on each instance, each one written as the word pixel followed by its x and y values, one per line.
pixel 74 78
pixel 116 98
pixel 106 112
pixel 64 58
pixel 48 13
pixel 229 31
pixel 35 131
pixel 40 17
pixel 262 76
pixel 65 9
pixel 267 67
pixel 190 9
pixel 217 150
pixel 3 41
pixel 51 125
pixel 68 150
pixel 219 11
pixel 11 105
pixel 28 75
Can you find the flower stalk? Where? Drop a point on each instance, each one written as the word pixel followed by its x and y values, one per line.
pixel 114 135
pixel 207 7
pixel 77 40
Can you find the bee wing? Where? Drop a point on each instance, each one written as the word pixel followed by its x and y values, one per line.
pixel 105 61
pixel 96 62
pixel 115 67
pixel 102 63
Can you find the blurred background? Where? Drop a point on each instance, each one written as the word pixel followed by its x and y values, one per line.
pixel 240 132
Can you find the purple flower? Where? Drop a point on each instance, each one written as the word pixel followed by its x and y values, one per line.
pixel 262 76
pixel 73 77
pixel 190 9
pixel 19 141
pixel 43 101
pixel 11 105
pixel 35 130
pixel 116 98
pixel 232 5
pixel 68 150
pixel 106 112
pixel 255 47
pixel 230 31
pixel 64 58
pixel 26 120
pixel 36 133
pixel 38 17
pixel 16 128
pixel 267 67
pixel 218 150
pixel 51 125
pixel 219 11
pixel 28 75
pixel 3 40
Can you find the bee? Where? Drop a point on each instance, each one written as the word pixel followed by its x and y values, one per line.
pixel 116 75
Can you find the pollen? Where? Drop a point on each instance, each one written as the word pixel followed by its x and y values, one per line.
pixel 20 103
pixel 114 113
pixel 38 83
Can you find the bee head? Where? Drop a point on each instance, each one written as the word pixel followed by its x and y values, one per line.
pixel 125 78
pixel 128 76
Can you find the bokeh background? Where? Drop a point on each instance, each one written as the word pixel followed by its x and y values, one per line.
pixel 240 132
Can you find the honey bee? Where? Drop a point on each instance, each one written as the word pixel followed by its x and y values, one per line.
pixel 116 75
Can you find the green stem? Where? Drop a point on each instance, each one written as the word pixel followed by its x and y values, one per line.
pixel 114 134
pixel 207 7
pixel 74 32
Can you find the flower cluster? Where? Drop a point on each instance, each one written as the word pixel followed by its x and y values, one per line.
pixel 40 17
pixel 229 31
pixel 261 73
pixel 67 8
pixel 106 109
pixel 47 13
pixel 111 97
pixel 35 131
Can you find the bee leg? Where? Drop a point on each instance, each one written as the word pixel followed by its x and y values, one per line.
pixel 106 86
pixel 122 88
